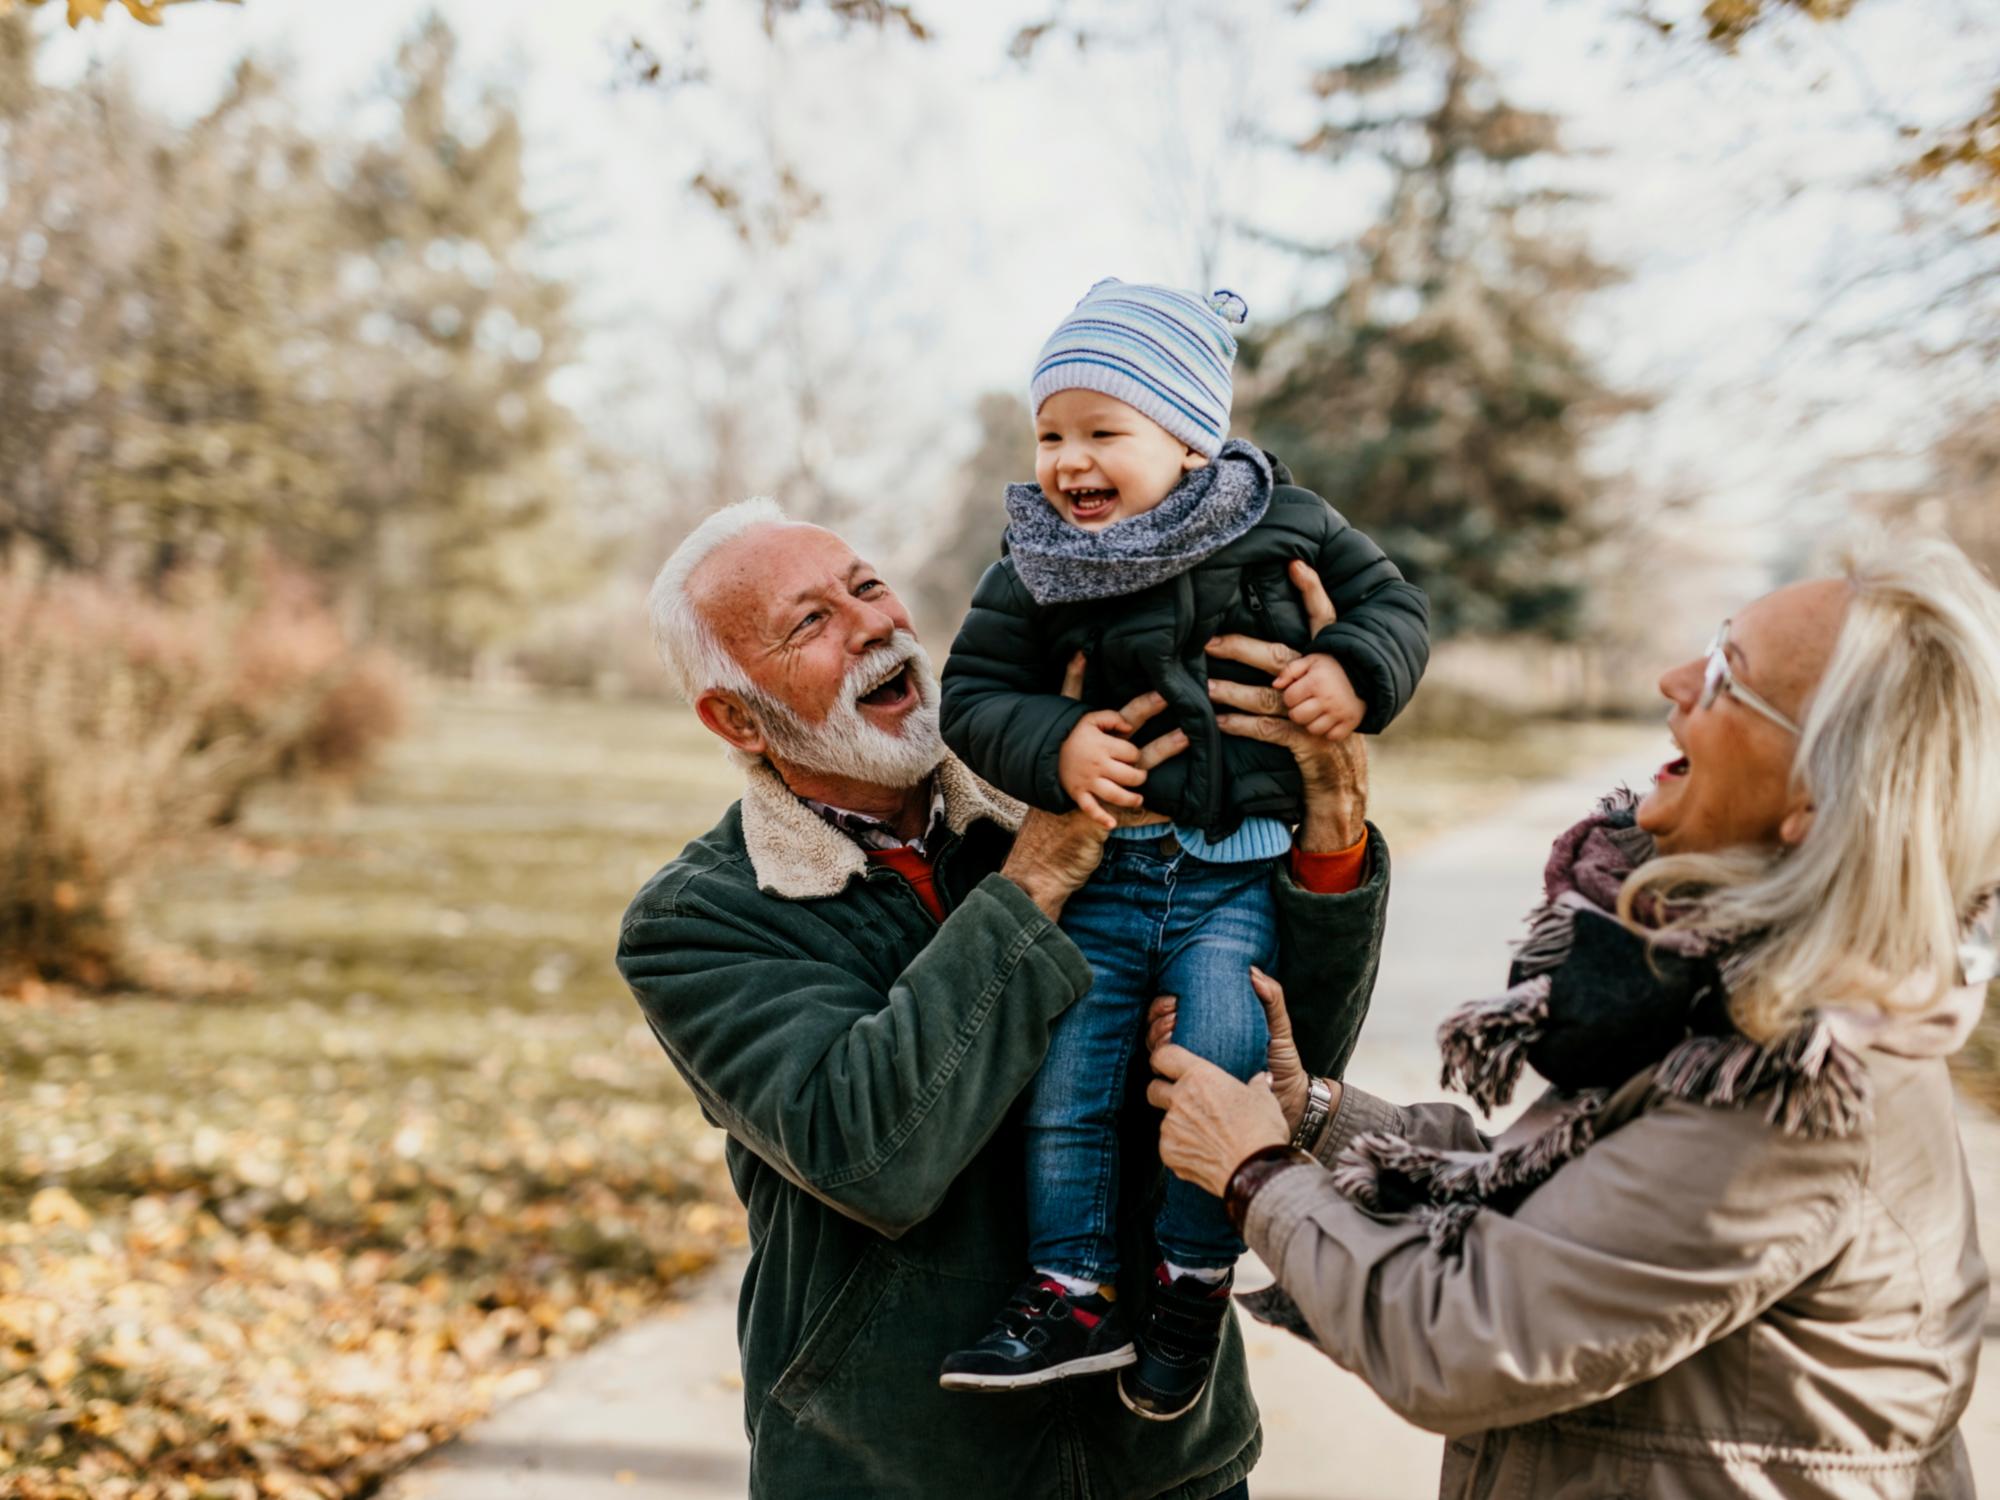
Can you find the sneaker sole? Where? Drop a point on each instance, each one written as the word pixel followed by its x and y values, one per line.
pixel 1158 1416
pixel 1114 1359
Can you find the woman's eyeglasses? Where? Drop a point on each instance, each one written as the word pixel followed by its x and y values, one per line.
pixel 1718 679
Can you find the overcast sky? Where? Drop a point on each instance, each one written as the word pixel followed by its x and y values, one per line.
pixel 970 202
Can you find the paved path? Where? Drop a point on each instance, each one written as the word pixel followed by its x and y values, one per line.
pixel 655 1413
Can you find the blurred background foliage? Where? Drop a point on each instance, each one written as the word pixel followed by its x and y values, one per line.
pixel 330 740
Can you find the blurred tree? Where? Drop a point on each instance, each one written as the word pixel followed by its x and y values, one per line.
pixel 1438 398
pixel 1962 493
pixel 17 65
pixel 968 529
pixel 454 500
pixel 224 442
pixel 1729 20
pixel 239 338
pixel 78 207
pixel 1968 152
pixel 151 12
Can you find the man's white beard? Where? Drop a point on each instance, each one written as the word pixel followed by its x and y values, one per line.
pixel 844 743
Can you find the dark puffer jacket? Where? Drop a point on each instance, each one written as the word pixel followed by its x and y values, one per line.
pixel 1005 717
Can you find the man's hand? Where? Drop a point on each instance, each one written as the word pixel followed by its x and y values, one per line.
pixel 1054 853
pixel 1334 772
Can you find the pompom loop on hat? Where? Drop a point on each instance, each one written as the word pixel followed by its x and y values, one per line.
pixel 1228 306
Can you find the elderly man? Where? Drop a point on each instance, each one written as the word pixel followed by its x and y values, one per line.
pixel 856 971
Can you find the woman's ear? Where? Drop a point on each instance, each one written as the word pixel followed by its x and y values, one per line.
pixel 1798 823
pixel 726 716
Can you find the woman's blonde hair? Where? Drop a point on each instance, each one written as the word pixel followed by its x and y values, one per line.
pixel 1901 759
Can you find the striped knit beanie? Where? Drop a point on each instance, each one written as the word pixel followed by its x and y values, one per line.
pixel 1166 353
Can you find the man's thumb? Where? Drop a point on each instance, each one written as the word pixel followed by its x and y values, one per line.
pixel 1320 612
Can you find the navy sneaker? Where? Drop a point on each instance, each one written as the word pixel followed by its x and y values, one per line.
pixel 1177 1345
pixel 1045 1332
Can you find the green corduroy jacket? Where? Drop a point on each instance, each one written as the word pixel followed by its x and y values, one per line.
pixel 865 1061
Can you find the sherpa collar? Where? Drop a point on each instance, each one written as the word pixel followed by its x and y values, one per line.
pixel 798 855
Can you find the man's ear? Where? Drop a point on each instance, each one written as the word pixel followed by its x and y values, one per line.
pixel 726 716
pixel 1798 823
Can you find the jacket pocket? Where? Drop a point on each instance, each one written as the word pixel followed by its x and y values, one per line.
pixel 846 1315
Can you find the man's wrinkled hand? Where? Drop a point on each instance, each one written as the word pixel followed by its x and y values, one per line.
pixel 1055 853
pixel 1334 772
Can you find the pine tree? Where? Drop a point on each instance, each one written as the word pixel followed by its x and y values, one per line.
pixel 458 497
pixel 1438 399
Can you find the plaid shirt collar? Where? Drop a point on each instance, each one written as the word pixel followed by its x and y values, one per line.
pixel 873 833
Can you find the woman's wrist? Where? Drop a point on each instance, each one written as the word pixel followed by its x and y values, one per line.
pixel 1319 1098
pixel 1256 1169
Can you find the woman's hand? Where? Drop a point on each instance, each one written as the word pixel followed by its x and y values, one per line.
pixel 1213 1122
pixel 1055 853
pixel 1289 1080
pixel 1334 772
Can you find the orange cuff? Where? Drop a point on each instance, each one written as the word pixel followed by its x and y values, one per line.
pixel 1333 874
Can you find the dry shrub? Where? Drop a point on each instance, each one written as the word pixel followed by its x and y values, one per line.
pixel 127 723
pixel 296 685
pixel 365 708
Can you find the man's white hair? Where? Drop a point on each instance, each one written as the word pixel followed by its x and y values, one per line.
pixel 693 657
pixel 843 743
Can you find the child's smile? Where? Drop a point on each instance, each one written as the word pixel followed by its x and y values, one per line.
pixel 1089 504
pixel 1100 461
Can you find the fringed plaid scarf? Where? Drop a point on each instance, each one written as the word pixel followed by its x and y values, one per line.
pixel 1593 1003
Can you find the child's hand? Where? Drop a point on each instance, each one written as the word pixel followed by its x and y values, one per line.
pixel 1099 763
pixel 1319 698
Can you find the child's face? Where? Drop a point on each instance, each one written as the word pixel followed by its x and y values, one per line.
pixel 1099 460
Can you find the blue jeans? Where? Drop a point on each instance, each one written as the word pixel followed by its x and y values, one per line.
pixel 1153 920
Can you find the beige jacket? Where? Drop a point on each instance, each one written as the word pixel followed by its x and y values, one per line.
pixel 1698 1305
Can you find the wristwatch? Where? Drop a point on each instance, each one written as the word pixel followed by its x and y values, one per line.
pixel 1319 1104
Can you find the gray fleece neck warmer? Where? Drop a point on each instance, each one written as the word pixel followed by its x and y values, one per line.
pixel 1210 508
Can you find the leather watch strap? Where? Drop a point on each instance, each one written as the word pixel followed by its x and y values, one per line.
pixel 1258 1168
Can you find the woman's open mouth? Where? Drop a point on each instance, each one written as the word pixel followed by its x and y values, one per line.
pixel 892 692
pixel 1673 770
pixel 1090 505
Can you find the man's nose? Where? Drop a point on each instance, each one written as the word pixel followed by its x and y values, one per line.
pixel 869 625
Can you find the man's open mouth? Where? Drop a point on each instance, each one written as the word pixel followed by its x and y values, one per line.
pixel 1674 769
pixel 891 691
pixel 1087 504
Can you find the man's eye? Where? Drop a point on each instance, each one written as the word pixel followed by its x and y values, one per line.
pixel 811 619
pixel 873 583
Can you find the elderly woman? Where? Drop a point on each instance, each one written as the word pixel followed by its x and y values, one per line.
pixel 1731 1250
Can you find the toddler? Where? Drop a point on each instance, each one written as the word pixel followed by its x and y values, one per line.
pixel 1146 534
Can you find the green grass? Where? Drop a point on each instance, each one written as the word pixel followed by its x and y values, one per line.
pixel 293 1231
